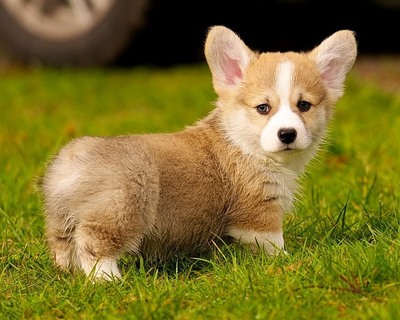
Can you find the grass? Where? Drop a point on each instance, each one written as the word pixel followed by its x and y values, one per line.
pixel 343 238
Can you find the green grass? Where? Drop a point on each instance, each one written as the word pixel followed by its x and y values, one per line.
pixel 343 238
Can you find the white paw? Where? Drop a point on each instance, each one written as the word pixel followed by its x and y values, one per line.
pixel 103 269
pixel 107 269
pixel 271 242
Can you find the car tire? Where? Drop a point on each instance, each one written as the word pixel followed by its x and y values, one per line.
pixel 98 44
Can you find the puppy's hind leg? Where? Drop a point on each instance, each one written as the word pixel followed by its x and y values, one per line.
pixel 60 230
pixel 96 253
pixel 109 228
pixel 99 246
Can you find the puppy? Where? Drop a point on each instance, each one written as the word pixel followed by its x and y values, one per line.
pixel 232 174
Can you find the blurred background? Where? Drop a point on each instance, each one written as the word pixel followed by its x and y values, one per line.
pixel 88 33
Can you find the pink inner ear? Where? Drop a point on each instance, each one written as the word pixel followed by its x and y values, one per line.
pixel 232 70
pixel 330 74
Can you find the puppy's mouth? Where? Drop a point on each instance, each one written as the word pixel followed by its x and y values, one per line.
pixel 285 151
pixel 292 147
pixel 289 148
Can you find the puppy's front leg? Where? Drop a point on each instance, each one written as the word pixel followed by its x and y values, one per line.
pixel 258 225
pixel 270 241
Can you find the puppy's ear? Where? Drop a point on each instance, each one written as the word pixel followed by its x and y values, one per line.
pixel 227 57
pixel 335 57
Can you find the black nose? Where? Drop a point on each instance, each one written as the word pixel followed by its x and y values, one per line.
pixel 287 135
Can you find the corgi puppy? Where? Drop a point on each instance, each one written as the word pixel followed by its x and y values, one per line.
pixel 233 174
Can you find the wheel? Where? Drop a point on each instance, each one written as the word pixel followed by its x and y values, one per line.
pixel 69 32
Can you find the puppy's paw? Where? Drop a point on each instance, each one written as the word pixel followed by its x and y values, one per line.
pixel 270 242
pixel 105 269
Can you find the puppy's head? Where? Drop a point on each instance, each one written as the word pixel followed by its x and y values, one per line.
pixel 277 104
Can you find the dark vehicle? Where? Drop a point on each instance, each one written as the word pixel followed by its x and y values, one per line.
pixel 69 32
pixel 100 32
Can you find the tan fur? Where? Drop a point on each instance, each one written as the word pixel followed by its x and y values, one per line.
pixel 161 194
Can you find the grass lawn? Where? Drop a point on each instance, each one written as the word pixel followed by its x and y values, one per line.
pixel 343 238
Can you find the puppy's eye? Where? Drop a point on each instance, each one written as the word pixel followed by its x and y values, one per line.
pixel 303 106
pixel 263 108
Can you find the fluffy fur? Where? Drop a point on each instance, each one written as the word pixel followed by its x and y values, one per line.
pixel 232 174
